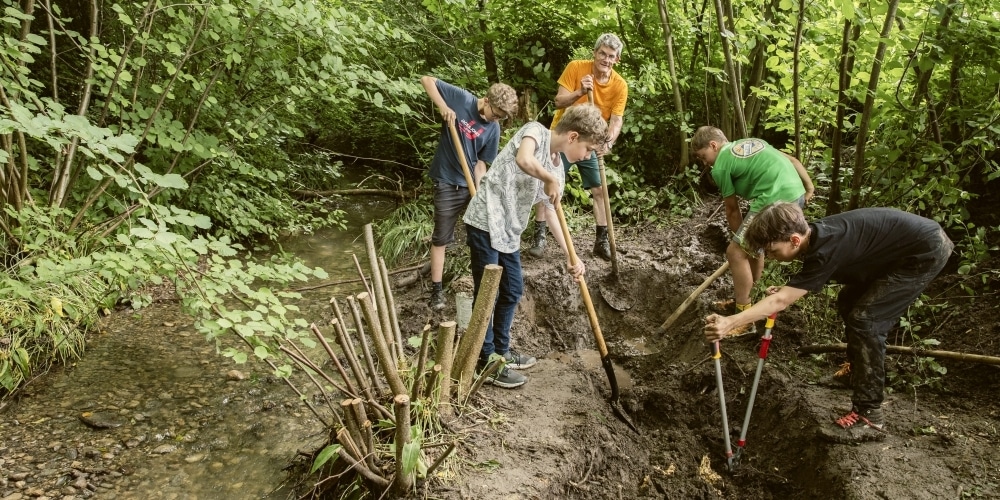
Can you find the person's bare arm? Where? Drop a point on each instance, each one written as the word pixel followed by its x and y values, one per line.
pixel 733 215
pixel 430 86
pixel 716 326
pixel 566 97
pixel 614 128
pixel 804 175
pixel 530 165
pixel 479 171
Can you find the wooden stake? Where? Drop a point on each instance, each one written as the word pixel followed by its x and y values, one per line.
pixel 471 343
pixel 381 347
pixel 369 360
pixel 348 347
pixel 401 403
pixel 688 301
pixel 418 374
pixel 391 307
pixel 444 357
pixel 378 286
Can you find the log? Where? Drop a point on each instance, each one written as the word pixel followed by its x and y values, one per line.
pixel 308 193
pixel 358 280
pixel 915 351
pixel 471 343
pixel 691 298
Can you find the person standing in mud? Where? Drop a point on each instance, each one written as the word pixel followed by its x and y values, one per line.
pixel 610 95
pixel 884 257
pixel 753 170
pixel 527 171
pixel 479 131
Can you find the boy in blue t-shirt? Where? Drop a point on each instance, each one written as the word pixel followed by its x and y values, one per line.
pixel 479 132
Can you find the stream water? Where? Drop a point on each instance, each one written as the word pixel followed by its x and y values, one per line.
pixel 152 411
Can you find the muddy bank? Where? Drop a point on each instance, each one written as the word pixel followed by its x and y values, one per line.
pixel 557 438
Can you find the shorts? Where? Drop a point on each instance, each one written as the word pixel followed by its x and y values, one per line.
pixel 590 170
pixel 449 202
pixel 741 232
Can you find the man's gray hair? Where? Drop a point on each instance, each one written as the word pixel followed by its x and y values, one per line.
pixel 611 41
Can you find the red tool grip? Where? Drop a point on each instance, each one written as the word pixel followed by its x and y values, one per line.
pixel 764 344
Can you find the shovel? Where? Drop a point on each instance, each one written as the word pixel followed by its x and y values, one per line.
pixel 461 159
pixel 765 342
pixel 611 289
pixel 596 327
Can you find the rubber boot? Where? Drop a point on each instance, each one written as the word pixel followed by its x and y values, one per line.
pixel 538 245
pixel 602 247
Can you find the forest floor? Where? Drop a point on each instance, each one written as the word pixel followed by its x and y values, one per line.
pixel 557 437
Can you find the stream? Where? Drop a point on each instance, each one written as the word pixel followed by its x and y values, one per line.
pixel 151 411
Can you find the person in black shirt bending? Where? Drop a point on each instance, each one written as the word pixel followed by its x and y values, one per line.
pixel 884 257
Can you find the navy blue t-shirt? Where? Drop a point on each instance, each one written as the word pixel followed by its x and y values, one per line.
pixel 858 246
pixel 480 138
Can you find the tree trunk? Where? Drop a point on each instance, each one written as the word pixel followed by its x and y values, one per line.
pixel 489 54
pixel 674 84
pixel 732 72
pixel 850 35
pixel 859 153
pixel 800 22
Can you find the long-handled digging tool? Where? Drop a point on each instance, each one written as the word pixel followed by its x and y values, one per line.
pixel 595 326
pixel 460 152
pixel 765 342
pixel 717 357
pixel 610 290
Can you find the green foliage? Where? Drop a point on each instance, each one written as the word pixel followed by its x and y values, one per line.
pixel 405 233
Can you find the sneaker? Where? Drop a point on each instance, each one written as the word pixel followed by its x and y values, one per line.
pixel 857 426
pixel 538 241
pixel 436 301
pixel 518 361
pixel 839 380
pixel 507 378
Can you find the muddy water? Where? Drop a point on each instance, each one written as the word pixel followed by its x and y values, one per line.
pixel 152 411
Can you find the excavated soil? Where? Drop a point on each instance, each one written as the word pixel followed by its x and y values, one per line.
pixel 557 437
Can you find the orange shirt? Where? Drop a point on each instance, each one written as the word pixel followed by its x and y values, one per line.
pixel 610 96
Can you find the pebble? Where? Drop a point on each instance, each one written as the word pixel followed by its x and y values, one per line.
pixel 235 375
pixel 165 448
pixel 198 457
pixel 18 476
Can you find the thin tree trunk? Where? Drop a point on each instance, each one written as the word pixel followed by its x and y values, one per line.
pixel 796 77
pixel 489 53
pixel 668 38
pixel 732 72
pixel 850 36
pixel 859 153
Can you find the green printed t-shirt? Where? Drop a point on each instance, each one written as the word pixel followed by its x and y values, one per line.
pixel 754 170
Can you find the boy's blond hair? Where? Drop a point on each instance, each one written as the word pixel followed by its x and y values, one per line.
pixel 776 222
pixel 586 120
pixel 503 97
pixel 706 134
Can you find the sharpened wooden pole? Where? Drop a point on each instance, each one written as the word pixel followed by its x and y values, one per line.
pixel 381 347
pixel 898 349
pixel 691 298
pixel 404 481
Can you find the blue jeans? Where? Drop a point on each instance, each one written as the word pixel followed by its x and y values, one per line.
pixel 511 288
pixel 870 310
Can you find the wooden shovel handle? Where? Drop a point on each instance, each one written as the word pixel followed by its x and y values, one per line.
pixel 461 158
pixel 584 291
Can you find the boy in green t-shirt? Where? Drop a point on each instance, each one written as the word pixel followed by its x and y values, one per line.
pixel 753 170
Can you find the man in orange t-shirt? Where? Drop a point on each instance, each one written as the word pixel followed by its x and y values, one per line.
pixel 610 95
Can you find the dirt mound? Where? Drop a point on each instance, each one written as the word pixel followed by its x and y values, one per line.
pixel 557 437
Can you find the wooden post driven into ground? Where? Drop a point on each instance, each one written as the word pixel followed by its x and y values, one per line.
pixel 472 341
